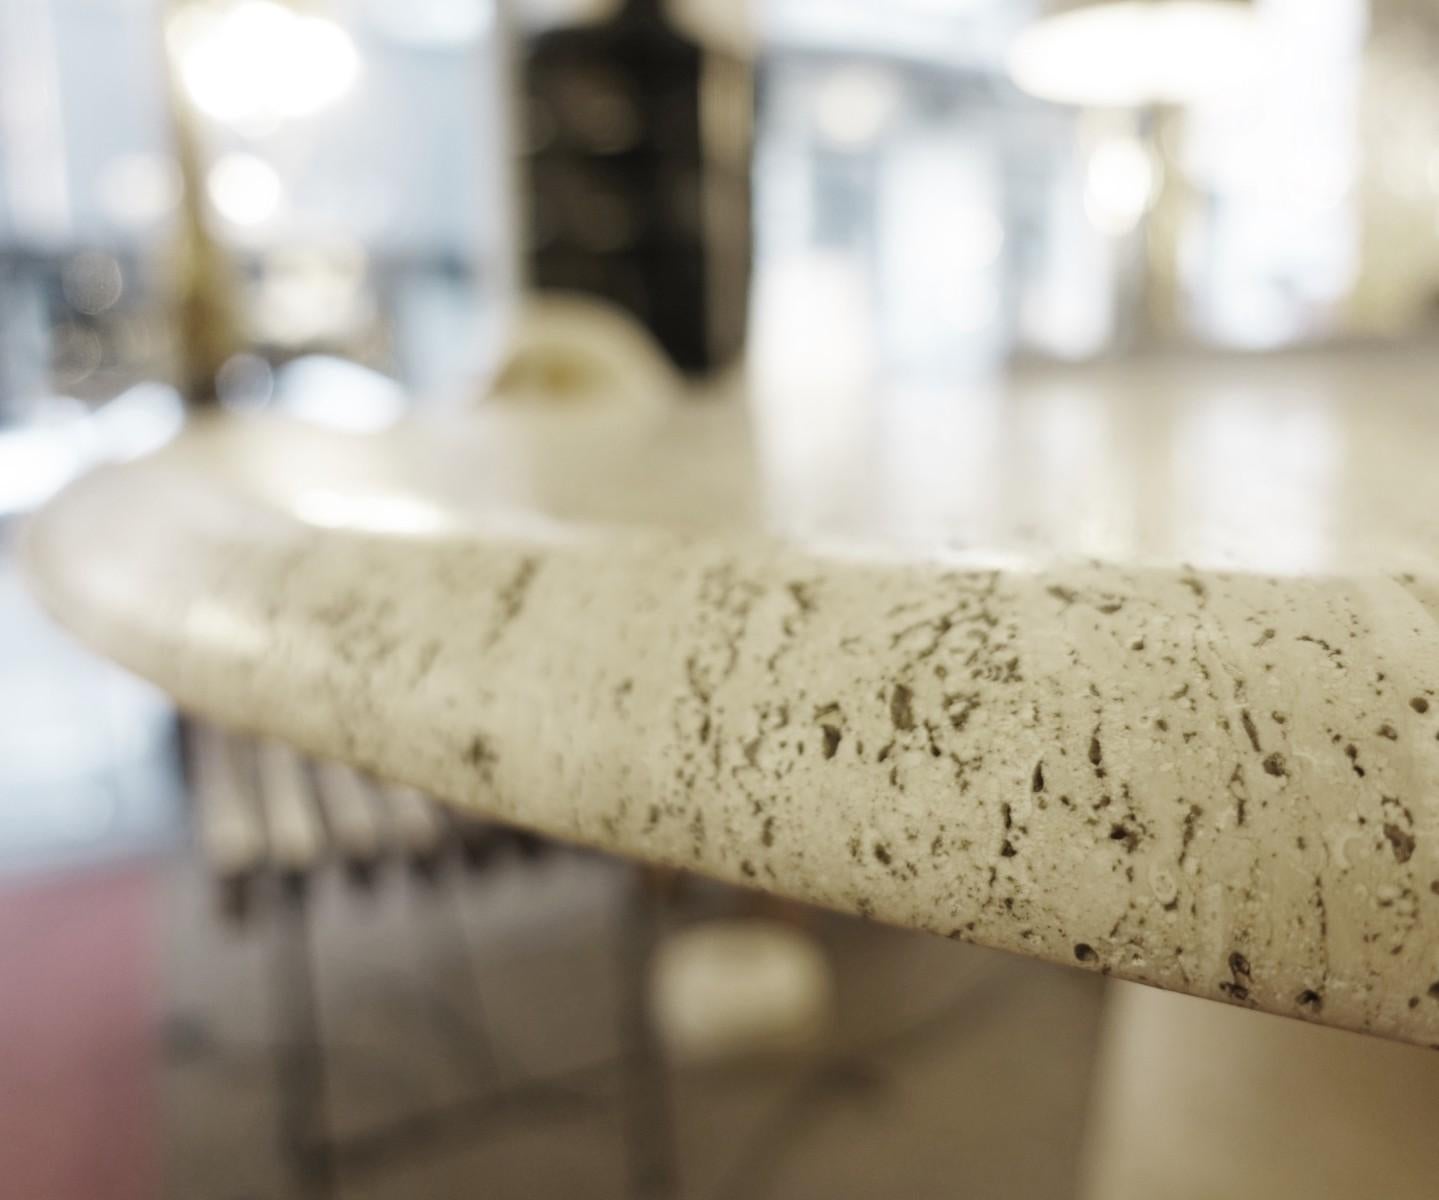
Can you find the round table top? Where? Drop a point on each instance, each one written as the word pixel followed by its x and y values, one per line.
pixel 1130 666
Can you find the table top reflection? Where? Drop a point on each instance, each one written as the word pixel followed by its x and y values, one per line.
pixel 1303 464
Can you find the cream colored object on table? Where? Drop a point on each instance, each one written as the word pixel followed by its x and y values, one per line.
pixel 1132 668
pixel 575 366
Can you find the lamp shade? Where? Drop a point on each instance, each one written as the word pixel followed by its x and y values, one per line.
pixel 1126 53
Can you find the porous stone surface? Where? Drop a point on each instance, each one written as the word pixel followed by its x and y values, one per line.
pixel 1215 777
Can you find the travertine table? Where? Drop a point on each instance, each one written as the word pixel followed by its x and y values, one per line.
pixel 1130 667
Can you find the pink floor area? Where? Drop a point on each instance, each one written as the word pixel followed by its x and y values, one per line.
pixel 79 989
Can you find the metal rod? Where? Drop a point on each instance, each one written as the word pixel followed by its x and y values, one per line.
pixel 644 1100
pixel 304 1127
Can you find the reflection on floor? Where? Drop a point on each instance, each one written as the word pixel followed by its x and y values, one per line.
pixel 87 763
pixel 79 964
pixel 953 1071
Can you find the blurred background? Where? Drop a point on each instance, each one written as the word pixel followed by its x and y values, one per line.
pixel 333 210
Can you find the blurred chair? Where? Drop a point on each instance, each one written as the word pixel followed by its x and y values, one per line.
pixel 270 824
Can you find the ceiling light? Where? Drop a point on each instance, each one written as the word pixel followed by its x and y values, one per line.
pixel 1123 53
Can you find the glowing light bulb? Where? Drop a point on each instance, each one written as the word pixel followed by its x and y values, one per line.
pixel 255 64
pixel 1119 185
pixel 244 189
pixel 854 105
